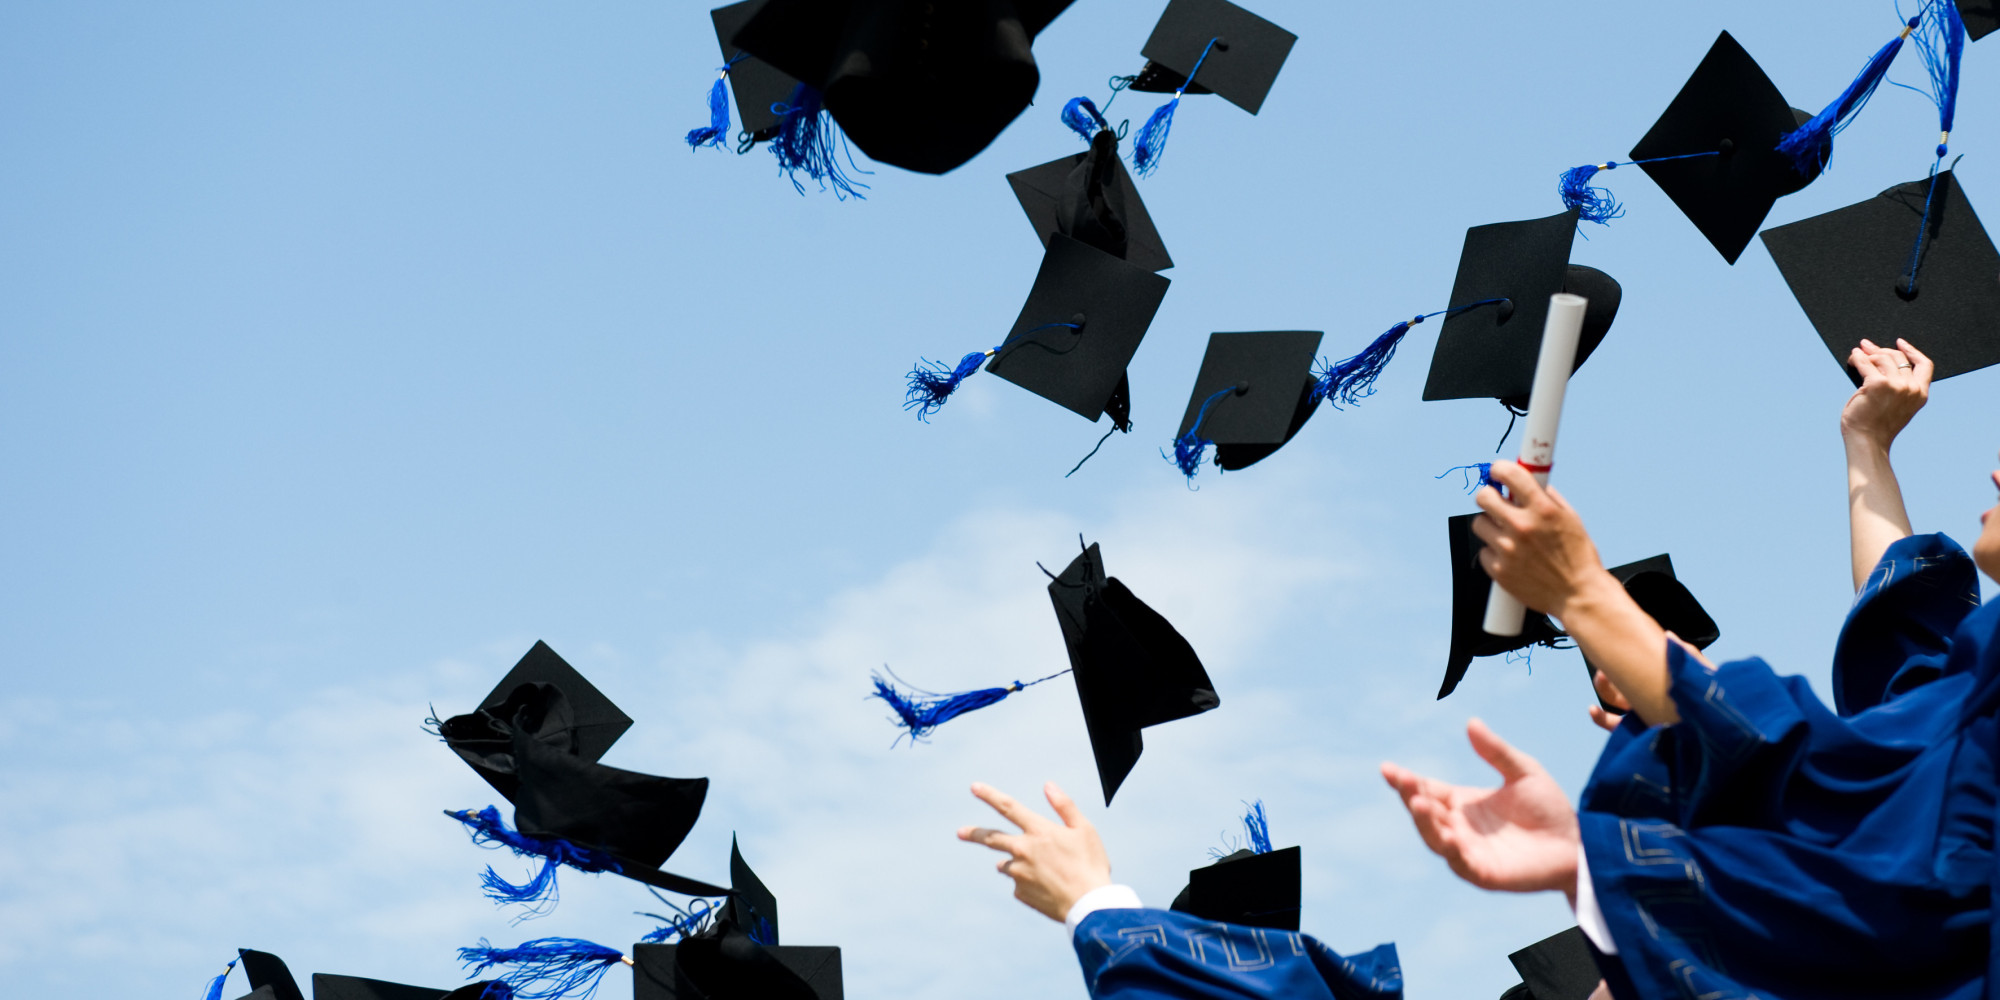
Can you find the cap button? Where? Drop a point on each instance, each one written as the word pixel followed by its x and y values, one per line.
pixel 1728 147
pixel 1077 321
pixel 1243 387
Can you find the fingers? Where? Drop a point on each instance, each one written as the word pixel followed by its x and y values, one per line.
pixel 1005 805
pixel 1605 720
pixel 1690 650
pixel 998 840
pixel 1520 483
pixel 1925 369
pixel 1609 691
pixel 1512 764
pixel 1064 806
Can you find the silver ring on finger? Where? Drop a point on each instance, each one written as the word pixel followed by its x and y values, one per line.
pixel 1906 367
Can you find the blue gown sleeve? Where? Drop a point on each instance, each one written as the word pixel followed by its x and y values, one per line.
pixel 1165 955
pixel 1898 634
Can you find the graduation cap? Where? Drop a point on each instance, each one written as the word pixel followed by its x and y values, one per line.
pixel 1253 394
pixel 738 955
pixel 920 86
pixel 268 976
pixel 1981 17
pixel 1556 968
pixel 326 987
pixel 1132 671
pixel 1653 586
pixel 1714 152
pixel 1254 886
pixel 1204 47
pixel 1470 587
pixel 1517 266
pixel 581 720
pixel 1090 197
pixel 1082 324
pixel 1912 262
pixel 759 87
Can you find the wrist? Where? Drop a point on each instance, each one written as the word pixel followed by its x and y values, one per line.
pixel 1593 592
pixel 1862 441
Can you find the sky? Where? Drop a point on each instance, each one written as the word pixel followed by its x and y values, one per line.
pixel 347 350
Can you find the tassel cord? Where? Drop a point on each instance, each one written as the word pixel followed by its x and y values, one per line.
pixel 922 715
pixel 1485 470
pixel 1188 447
pixel 1807 145
pixel 717 128
pixel 1597 204
pixel 684 924
pixel 1152 141
pixel 1909 288
pixel 931 383
pixel 1093 452
pixel 215 985
pixel 540 892
pixel 1083 118
pixel 550 968
pixel 1353 379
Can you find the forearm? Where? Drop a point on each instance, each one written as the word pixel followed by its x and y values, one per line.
pixel 1876 516
pixel 1625 643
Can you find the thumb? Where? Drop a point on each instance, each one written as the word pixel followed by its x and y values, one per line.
pixel 1064 806
pixel 1512 764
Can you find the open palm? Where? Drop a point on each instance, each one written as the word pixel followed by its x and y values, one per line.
pixel 1520 837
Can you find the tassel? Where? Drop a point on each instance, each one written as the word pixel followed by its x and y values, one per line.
pixel 683 924
pixel 1083 118
pixel 497 990
pixel 1189 447
pixel 1259 828
pixel 718 115
pixel 215 985
pixel 488 830
pixel 920 716
pixel 1353 379
pixel 807 142
pixel 1595 203
pixel 1941 43
pixel 1485 470
pixel 931 383
pixel 1152 140
pixel 763 933
pixel 1810 144
pixel 566 965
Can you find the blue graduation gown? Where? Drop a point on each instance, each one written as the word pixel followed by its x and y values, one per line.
pixel 1166 955
pixel 1768 846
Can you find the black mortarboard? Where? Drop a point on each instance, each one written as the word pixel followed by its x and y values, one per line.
pixel 1090 197
pixel 1246 888
pixel 1470 588
pixel 1248 53
pixel 1252 395
pixel 1490 352
pixel 729 966
pixel 1850 271
pixel 637 819
pixel 756 84
pixel 582 721
pixel 1729 108
pixel 1082 323
pixel 752 906
pixel 1653 586
pixel 914 83
pixel 327 987
pixel 1556 968
pixel 1981 17
pixel 267 972
pixel 1132 668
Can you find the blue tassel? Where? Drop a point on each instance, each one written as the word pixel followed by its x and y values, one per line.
pixel 1353 379
pixel 1259 828
pixel 1941 43
pixel 1083 118
pixel 488 830
pixel 931 383
pixel 497 990
pixel 1808 145
pixel 718 115
pixel 921 714
pixel 1485 470
pixel 682 924
pixel 215 985
pixel 808 142
pixel 763 933
pixel 566 965
pixel 1595 203
pixel 1152 140
pixel 1188 447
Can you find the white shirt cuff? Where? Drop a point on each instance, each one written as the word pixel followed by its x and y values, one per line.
pixel 1588 916
pixel 1104 897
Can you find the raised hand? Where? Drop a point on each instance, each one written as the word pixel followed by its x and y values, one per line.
pixel 1895 383
pixel 1520 837
pixel 1052 864
pixel 1610 695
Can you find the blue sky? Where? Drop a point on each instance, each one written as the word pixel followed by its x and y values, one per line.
pixel 348 351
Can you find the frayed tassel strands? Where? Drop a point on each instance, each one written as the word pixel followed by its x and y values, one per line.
pixel 1353 379
pixel 488 830
pixel 215 985
pixel 1258 827
pixel 1188 448
pixel 1809 146
pixel 1152 139
pixel 683 923
pixel 1484 477
pixel 1594 203
pixel 921 713
pixel 1083 118
pixel 931 383
pixel 717 128
pixel 546 968
pixel 808 142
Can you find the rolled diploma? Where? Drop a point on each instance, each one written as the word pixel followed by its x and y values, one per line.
pixel 1505 614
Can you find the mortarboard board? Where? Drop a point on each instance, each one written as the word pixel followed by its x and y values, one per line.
pixel 1241 67
pixel 1491 352
pixel 1653 586
pixel 1253 394
pixel 1090 197
pixel 326 987
pixel 1850 270
pixel 1982 17
pixel 268 976
pixel 1132 669
pixel 1083 321
pixel 924 86
pixel 1246 888
pixel 1714 151
pixel 1470 587
pixel 1556 968
pixel 757 85
pixel 582 720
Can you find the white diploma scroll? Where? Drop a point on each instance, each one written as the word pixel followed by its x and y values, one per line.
pixel 1504 614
